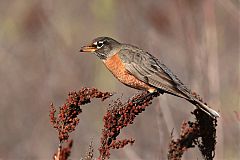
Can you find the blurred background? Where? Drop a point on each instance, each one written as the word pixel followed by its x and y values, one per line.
pixel 40 64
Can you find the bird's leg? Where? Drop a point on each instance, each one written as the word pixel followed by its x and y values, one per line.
pixel 146 96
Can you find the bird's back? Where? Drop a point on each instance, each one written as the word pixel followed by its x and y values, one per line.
pixel 150 70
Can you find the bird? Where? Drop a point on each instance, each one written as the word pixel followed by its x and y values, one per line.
pixel 139 69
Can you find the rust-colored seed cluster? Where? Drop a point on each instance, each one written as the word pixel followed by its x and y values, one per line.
pixel 119 116
pixel 188 135
pixel 116 144
pixel 202 133
pixel 66 120
pixel 207 127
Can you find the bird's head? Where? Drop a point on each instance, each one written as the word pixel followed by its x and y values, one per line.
pixel 102 47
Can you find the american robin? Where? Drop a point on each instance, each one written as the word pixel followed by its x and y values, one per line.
pixel 139 69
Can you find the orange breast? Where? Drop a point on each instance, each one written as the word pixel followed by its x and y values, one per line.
pixel 115 65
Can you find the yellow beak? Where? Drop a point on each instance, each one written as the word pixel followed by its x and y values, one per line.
pixel 88 49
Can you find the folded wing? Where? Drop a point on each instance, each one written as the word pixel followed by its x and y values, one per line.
pixel 148 69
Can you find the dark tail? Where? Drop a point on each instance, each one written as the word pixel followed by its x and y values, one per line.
pixel 214 114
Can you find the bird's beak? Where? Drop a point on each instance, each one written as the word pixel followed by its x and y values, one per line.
pixel 89 48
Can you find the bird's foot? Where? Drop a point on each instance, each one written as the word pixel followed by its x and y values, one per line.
pixel 145 96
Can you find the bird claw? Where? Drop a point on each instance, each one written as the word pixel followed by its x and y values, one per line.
pixel 144 97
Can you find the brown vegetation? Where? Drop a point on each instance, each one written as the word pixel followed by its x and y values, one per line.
pixel 202 132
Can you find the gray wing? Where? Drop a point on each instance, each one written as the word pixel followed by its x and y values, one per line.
pixel 148 69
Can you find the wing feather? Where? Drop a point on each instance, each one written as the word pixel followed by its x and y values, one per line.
pixel 147 68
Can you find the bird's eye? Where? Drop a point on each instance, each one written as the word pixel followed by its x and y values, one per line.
pixel 99 44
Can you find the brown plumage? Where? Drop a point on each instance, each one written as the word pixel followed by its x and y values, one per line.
pixel 139 69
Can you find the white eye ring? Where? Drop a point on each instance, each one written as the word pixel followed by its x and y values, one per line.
pixel 99 44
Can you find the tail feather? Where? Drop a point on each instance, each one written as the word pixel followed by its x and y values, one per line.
pixel 186 95
pixel 214 114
